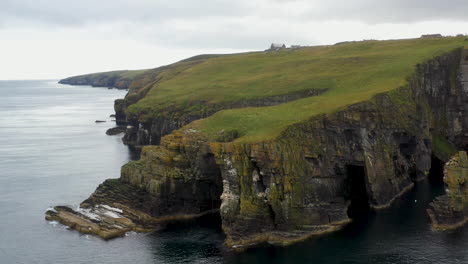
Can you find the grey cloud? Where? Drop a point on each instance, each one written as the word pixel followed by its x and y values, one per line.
pixel 88 11
pixel 393 11
pixel 64 12
pixel 242 24
pixel 215 33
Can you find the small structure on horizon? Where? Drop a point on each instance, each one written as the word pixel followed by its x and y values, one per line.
pixel 296 46
pixel 431 36
pixel 277 46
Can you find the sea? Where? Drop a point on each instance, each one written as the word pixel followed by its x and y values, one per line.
pixel 53 153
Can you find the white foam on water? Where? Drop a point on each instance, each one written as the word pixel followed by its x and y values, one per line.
pixel 131 233
pixel 51 209
pixel 54 223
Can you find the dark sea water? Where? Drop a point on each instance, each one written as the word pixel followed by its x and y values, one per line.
pixel 52 152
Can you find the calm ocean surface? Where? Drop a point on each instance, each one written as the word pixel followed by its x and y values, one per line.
pixel 52 152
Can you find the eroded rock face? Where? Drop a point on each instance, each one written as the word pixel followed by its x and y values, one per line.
pixel 301 183
pixel 450 211
pixel 181 175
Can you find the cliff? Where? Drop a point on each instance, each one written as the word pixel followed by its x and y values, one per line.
pixel 299 160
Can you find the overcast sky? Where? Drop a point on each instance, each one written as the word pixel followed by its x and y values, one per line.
pixel 50 39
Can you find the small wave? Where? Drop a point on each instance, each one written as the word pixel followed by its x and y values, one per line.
pixel 54 223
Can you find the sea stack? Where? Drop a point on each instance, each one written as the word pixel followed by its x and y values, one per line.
pixel 450 211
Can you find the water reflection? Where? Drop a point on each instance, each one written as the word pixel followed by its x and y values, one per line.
pixel 190 241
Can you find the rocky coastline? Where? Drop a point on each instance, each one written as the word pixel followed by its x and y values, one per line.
pixel 305 181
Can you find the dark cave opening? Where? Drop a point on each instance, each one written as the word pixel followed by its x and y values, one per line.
pixel 212 194
pixel 356 191
pixel 436 173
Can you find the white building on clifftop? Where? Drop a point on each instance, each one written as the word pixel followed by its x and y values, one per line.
pixel 277 46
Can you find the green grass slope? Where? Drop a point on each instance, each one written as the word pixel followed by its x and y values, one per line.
pixel 351 72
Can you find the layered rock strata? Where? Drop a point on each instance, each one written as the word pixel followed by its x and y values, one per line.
pixel 450 211
pixel 111 211
pixel 116 208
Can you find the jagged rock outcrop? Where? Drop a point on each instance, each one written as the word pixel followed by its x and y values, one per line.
pixel 304 181
pixel 114 209
pixel 450 211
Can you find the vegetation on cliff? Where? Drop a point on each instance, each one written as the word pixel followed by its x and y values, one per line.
pixel 352 73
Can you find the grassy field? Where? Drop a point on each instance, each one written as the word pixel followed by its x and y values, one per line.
pixel 352 72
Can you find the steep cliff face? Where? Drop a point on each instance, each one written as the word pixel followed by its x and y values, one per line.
pixel 181 174
pixel 307 179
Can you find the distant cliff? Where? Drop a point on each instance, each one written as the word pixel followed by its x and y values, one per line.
pixel 114 79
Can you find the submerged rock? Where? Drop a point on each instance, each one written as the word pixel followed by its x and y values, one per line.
pixel 116 130
pixel 450 211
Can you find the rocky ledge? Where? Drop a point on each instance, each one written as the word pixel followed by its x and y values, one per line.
pixel 450 211
pixel 109 212
pixel 114 209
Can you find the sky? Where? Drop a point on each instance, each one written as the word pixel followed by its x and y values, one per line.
pixel 53 39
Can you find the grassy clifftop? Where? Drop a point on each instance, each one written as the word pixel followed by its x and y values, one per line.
pixel 352 72
pixel 348 73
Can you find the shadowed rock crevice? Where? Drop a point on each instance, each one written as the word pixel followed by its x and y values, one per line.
pixel 436 172
pixel 356 191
